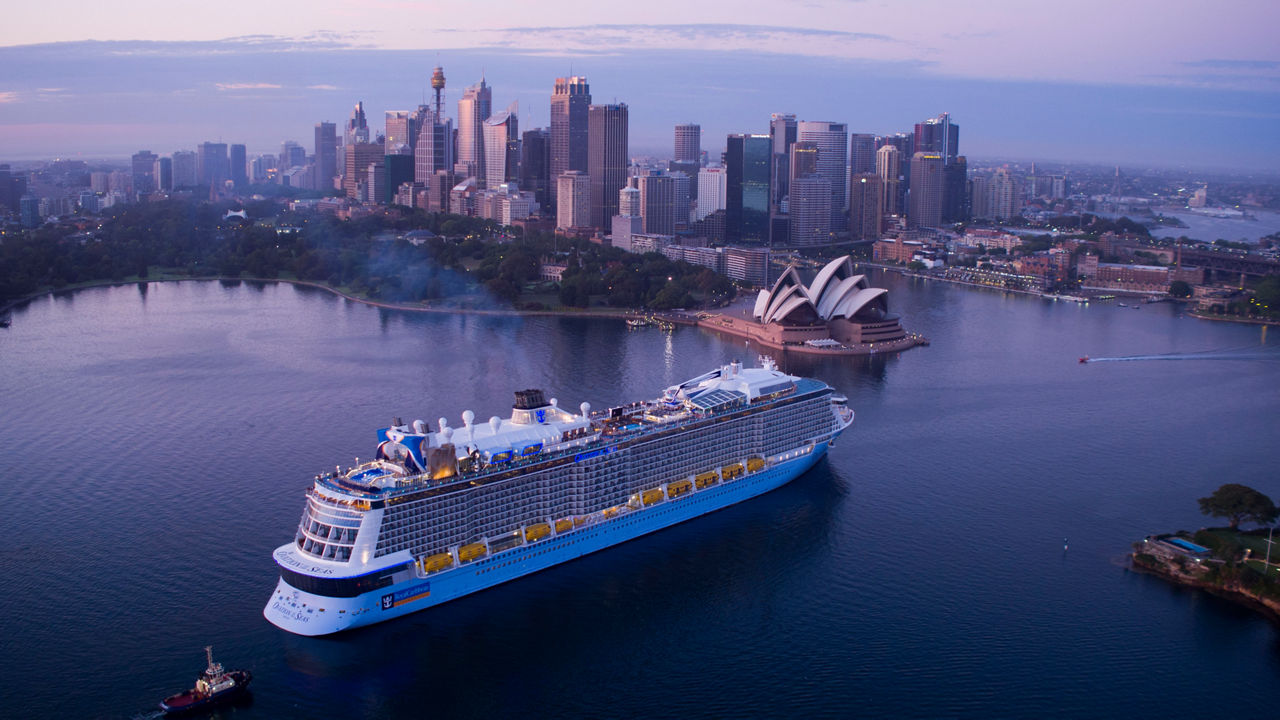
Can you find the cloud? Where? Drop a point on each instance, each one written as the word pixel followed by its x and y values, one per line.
pixel 323 87
pixel 1235 64
pixel 8 96
pixel 247 86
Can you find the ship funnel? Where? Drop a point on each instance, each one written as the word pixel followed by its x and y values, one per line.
pixel 586 409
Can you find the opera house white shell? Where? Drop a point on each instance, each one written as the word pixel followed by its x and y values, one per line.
pixel 836 293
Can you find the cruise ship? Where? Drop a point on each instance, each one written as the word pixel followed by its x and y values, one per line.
pixel 439 514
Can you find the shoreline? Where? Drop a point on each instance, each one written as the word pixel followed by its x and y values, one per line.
pixel 498 312
pixel 1163 567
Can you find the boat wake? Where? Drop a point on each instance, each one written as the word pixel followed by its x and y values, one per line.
pixel 1249 353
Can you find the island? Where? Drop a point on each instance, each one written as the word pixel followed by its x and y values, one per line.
pixel 1227 561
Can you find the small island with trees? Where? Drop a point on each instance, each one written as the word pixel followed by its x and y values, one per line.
pixel 1227 561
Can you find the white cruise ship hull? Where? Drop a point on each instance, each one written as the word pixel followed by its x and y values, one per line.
pixel 308 614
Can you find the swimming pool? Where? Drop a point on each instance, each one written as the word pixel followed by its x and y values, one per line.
pixel 1188 546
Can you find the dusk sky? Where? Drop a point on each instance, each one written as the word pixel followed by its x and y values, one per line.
pixel 1145 83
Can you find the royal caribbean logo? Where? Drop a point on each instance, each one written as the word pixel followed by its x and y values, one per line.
pixel 408 595
pixel 541 415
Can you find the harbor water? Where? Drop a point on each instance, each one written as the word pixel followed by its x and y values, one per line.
pixel 156 442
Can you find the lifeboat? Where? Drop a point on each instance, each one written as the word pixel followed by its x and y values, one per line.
pixel 610 513
pixel 706 479
pixel 729 472
pixel 537 531
pixel 678 488
pixel 754 464
pixel 467 553
pixel 439 561
pixel 652 496
pixel 563 526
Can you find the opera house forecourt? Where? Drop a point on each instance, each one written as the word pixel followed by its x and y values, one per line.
pixel 839 313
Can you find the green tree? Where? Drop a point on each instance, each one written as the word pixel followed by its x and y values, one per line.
pixel 1239 503
pixel 1180 289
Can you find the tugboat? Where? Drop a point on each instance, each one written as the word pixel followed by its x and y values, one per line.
pixel 215 686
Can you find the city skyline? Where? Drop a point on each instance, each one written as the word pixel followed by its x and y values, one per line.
pixel 1192 100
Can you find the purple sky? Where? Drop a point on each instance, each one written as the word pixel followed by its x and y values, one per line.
pixel 1135 82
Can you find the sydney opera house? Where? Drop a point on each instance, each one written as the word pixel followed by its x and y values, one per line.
pixel 839 312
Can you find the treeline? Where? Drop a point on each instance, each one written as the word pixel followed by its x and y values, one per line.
pixel 470 259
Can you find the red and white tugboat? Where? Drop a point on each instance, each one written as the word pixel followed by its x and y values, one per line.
pixel 214 687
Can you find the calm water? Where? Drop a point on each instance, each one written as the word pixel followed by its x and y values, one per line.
pixel 155 445
pixel 1208 229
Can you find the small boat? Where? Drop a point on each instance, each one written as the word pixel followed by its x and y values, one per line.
pixel 1084 359
pixel 215 686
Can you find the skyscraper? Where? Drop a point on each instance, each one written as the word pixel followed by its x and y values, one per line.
pixel 804 160
pixel 433 152
pixel 535 165
pixel 607 159
pixel 832 140
pixel 938 135
pixel 357 126
pixel 163 173
pixel 212 165
pixel 864 206
pixel 747 170
pixel 657 203
pixel 326 152
pixel 397 170
pixel 862 154
pixel 292 155
pixel 144 165
pixel 809 205
pixel 711 191
pixel 473 109
pixel 925 205
pixel 569 103
pixel 782 134
pixel 360 156
pixel 955 191
pixel 1006 194
pixel 185 169
pixel 688 145
pixel 239 165
pixel 573 200
pixel 398 132
pixel 889 168
pixel 502 146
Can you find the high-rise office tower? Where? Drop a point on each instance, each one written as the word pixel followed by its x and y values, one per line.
pixel 688 146
pixel 360 156
pixel 862 154
pixel 163 173
pixel 433 152
pixel 925 204
pixel 473 109
pixel 711 191
pixel 864 206
pixel 938 135
pixel 607 159
pixel 980 198
pixel 782 134
pixel 326 152
pixel 357 126
pixel 398 133
pixel 747 169
pixel 832 140
pixel 955 191
pixel 809 210
pixel 573 200
pixel 292 155
pixel 502 146
pixel 804 160
pixel 629 220
pixel 212 165
pixel 185 169
pixel 889 168
pixel 658 203
pixel 683 194
pixel 398 169
pixel 239 165
pixel 535 165
pixel 569 103
pixel 144 167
